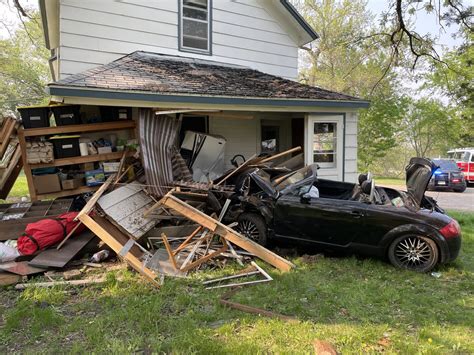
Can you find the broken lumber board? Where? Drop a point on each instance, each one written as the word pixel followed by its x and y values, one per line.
pixel 116 240
pixel 59 258
pixel 273 157
pixel 243 165
pixel 21 268
pixel 173 231
pixel 60 283
pixel 227 233
pixel 93 200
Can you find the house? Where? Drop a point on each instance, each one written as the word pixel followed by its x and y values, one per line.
pixel 228 66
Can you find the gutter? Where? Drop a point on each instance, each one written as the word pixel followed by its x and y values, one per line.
pixel 197 99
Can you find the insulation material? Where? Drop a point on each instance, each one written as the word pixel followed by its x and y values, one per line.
pixel 158 137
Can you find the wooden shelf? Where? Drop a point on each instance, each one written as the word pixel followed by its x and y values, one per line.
pixel 81 159
pixel 63 193
pixel 80 128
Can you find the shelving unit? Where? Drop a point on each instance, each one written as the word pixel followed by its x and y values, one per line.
pixel 23 134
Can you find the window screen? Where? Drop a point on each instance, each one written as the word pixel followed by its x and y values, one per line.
pixel 195 26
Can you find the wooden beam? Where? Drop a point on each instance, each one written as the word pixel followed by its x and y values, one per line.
pixel 116 245
pixel 93 200
pixel 226 232
pixel 273 157
pixel 244 164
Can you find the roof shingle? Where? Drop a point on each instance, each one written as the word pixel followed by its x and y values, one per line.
pixel 173 75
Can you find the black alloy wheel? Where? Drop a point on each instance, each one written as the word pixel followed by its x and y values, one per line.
pixel 413 252
pixel 253 226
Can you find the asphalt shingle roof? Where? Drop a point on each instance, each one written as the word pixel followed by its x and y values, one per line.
pixel 168 75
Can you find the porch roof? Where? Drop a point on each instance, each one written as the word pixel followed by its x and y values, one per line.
pixel 163 78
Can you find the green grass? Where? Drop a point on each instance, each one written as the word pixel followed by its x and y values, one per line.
pixel 19 189
pixel 389 181
pixel 359 305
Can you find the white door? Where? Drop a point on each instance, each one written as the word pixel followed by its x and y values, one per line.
pixel 324 144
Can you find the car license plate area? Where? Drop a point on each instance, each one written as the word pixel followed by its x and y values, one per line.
pixel 441 183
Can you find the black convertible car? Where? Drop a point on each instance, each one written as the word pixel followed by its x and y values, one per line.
pixel 406 227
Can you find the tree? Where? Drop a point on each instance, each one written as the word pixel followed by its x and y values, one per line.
pixel 457 84
pixel 24 70
pixel 430 127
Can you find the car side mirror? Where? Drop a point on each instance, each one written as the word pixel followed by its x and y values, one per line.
pixel 305 199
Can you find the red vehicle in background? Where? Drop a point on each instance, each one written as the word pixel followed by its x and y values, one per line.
pixel 464 158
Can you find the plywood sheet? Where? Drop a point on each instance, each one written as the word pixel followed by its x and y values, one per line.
pixel 21 268
pixel 59 258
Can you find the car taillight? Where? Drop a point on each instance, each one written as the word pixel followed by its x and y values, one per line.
pixel 451 230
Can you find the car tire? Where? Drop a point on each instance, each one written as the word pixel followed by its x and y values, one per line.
pixel 413 252
pixel 462 189
pixel 253 226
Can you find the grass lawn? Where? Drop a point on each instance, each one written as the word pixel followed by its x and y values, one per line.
pixel 389 181
pixel 359 305
pixel 19 189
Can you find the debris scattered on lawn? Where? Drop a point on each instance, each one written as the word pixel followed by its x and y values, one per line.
pixel 322 347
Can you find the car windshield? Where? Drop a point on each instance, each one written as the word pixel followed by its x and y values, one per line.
pixel 445 164
pixel 306 175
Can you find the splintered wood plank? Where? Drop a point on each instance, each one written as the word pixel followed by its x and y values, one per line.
pixel 93 200
pixel 21 268
pixel 226 232
pixel 116 240
pixel 59 258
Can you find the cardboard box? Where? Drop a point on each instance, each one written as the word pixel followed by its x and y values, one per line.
pixel 104 150
pixel 87 166
pixel 111 167
pixel 71 184
pixel 48 183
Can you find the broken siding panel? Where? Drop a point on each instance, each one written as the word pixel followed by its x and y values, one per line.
pixel 242 136
pixel 245 34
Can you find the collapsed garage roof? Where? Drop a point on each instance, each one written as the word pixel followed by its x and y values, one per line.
pixel 156 77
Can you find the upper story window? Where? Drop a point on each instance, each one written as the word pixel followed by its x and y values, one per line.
pixel 195 26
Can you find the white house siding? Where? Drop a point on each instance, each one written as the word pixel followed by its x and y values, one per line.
pixel 351 172
pixel 242 135
pixel 96 32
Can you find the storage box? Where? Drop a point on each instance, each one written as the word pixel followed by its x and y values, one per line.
pixel 34 116
pixel 71 184
pixel 95 177
pixel 66 146
pixel 104 150
pixel 110 167
pixel 66 114
pixel 48 183
pixel 111 113
pixel 86 166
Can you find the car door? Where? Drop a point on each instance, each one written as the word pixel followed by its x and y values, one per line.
pixel 321 220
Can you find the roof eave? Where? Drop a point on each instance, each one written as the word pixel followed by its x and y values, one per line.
pixel 66 91
pixel 300 19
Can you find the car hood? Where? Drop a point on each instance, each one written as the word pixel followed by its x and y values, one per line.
pixel 418 175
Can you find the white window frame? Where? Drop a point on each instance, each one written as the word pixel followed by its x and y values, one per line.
pixel 182 47
pixel 327 170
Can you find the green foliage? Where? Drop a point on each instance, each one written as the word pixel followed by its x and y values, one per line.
pixel 456 81
pixel 24 68
pixel 430 127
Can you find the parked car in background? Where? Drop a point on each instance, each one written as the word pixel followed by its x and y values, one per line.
pixel 448 176
pixel 406 227
pixel 464 158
